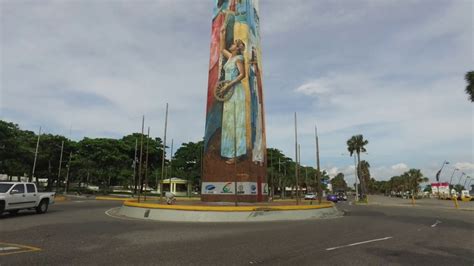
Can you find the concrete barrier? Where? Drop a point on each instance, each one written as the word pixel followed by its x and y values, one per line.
pixel 190 213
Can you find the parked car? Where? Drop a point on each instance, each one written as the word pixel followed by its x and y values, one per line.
pixel 341 196
pixel 15 196
pixel 310 196
pixel 332 197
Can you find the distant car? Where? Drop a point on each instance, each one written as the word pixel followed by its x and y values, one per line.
pixel 332 197
pixel 341 196
pixel 310 196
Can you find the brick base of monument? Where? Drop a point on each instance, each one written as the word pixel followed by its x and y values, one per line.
pixel 215 169
pixel 231 198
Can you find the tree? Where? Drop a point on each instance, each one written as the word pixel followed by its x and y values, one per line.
pixel 16 150
pixel 470 85
pixel 187 162
pixel 278 168
pixel 414 178
pixel 427 189
pixel 458 188
pixel 356 144
pixel 365 173
pixel 338 182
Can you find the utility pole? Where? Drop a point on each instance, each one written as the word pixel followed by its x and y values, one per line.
pixel 271 174
pixel 318 171
pixel 202 168
pixel 279 178
pixel 299 164
pixel 66 187
pixel 164 155
pixel 140 162
pixel 296 157
pixel 146 162
pixel 60 163
pixel 134 165
pixel 36 157
pixel 171 162
pixel 356 176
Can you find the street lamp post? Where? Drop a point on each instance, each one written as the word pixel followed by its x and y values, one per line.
pixel 467 177
pixel 439 173
pixel 451 180
pixel 459 181
pixel 468 184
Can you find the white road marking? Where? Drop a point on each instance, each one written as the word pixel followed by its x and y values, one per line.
pixel 435 224
pixel 78 201
pixel 8 248
pixel 360 243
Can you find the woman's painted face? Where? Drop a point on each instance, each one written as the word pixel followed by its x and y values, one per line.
pixel 237 45
pixel 233 47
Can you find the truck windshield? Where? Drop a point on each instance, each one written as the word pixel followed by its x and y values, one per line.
pixel 5 187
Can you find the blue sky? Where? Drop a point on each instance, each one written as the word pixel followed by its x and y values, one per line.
pixel 390 70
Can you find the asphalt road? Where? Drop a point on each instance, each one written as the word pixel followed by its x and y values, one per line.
pixel 80 233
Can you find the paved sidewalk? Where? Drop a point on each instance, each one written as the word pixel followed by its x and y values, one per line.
pixel 429 203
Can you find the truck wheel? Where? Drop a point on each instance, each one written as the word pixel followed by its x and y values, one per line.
pixel 42 207
pixel 2 207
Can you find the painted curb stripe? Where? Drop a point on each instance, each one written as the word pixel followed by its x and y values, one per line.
pixel 23 248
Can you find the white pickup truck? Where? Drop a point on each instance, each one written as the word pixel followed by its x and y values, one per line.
pixel 15 196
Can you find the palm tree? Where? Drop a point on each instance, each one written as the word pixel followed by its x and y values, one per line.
pixel 356 145
pixel 470 85
pixel 365 172
pixel 415 177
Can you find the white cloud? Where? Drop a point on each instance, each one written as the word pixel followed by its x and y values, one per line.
pixel 399 166
pixel 390 70
pixel 316 87
pixel 464 166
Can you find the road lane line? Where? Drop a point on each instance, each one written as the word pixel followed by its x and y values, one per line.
pixel 360 243
pixel 11 248
pixel 436 223
pixel 8 248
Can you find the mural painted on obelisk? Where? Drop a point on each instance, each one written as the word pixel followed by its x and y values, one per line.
pixel 235 125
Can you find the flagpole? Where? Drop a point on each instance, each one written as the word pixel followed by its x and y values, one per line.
pixel 133 184
pixel 163 157
pixel 36 157
pixel 296 161
pixel 140 163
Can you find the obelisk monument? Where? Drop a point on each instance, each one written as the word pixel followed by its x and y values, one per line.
pixel 234 144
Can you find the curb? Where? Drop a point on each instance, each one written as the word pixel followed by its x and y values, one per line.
pixel 111 198
pixel 130 203
pixel 60 198
pixel 419 206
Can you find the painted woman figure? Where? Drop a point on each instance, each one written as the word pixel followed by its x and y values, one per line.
pixel 256 105
pixel 233 136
